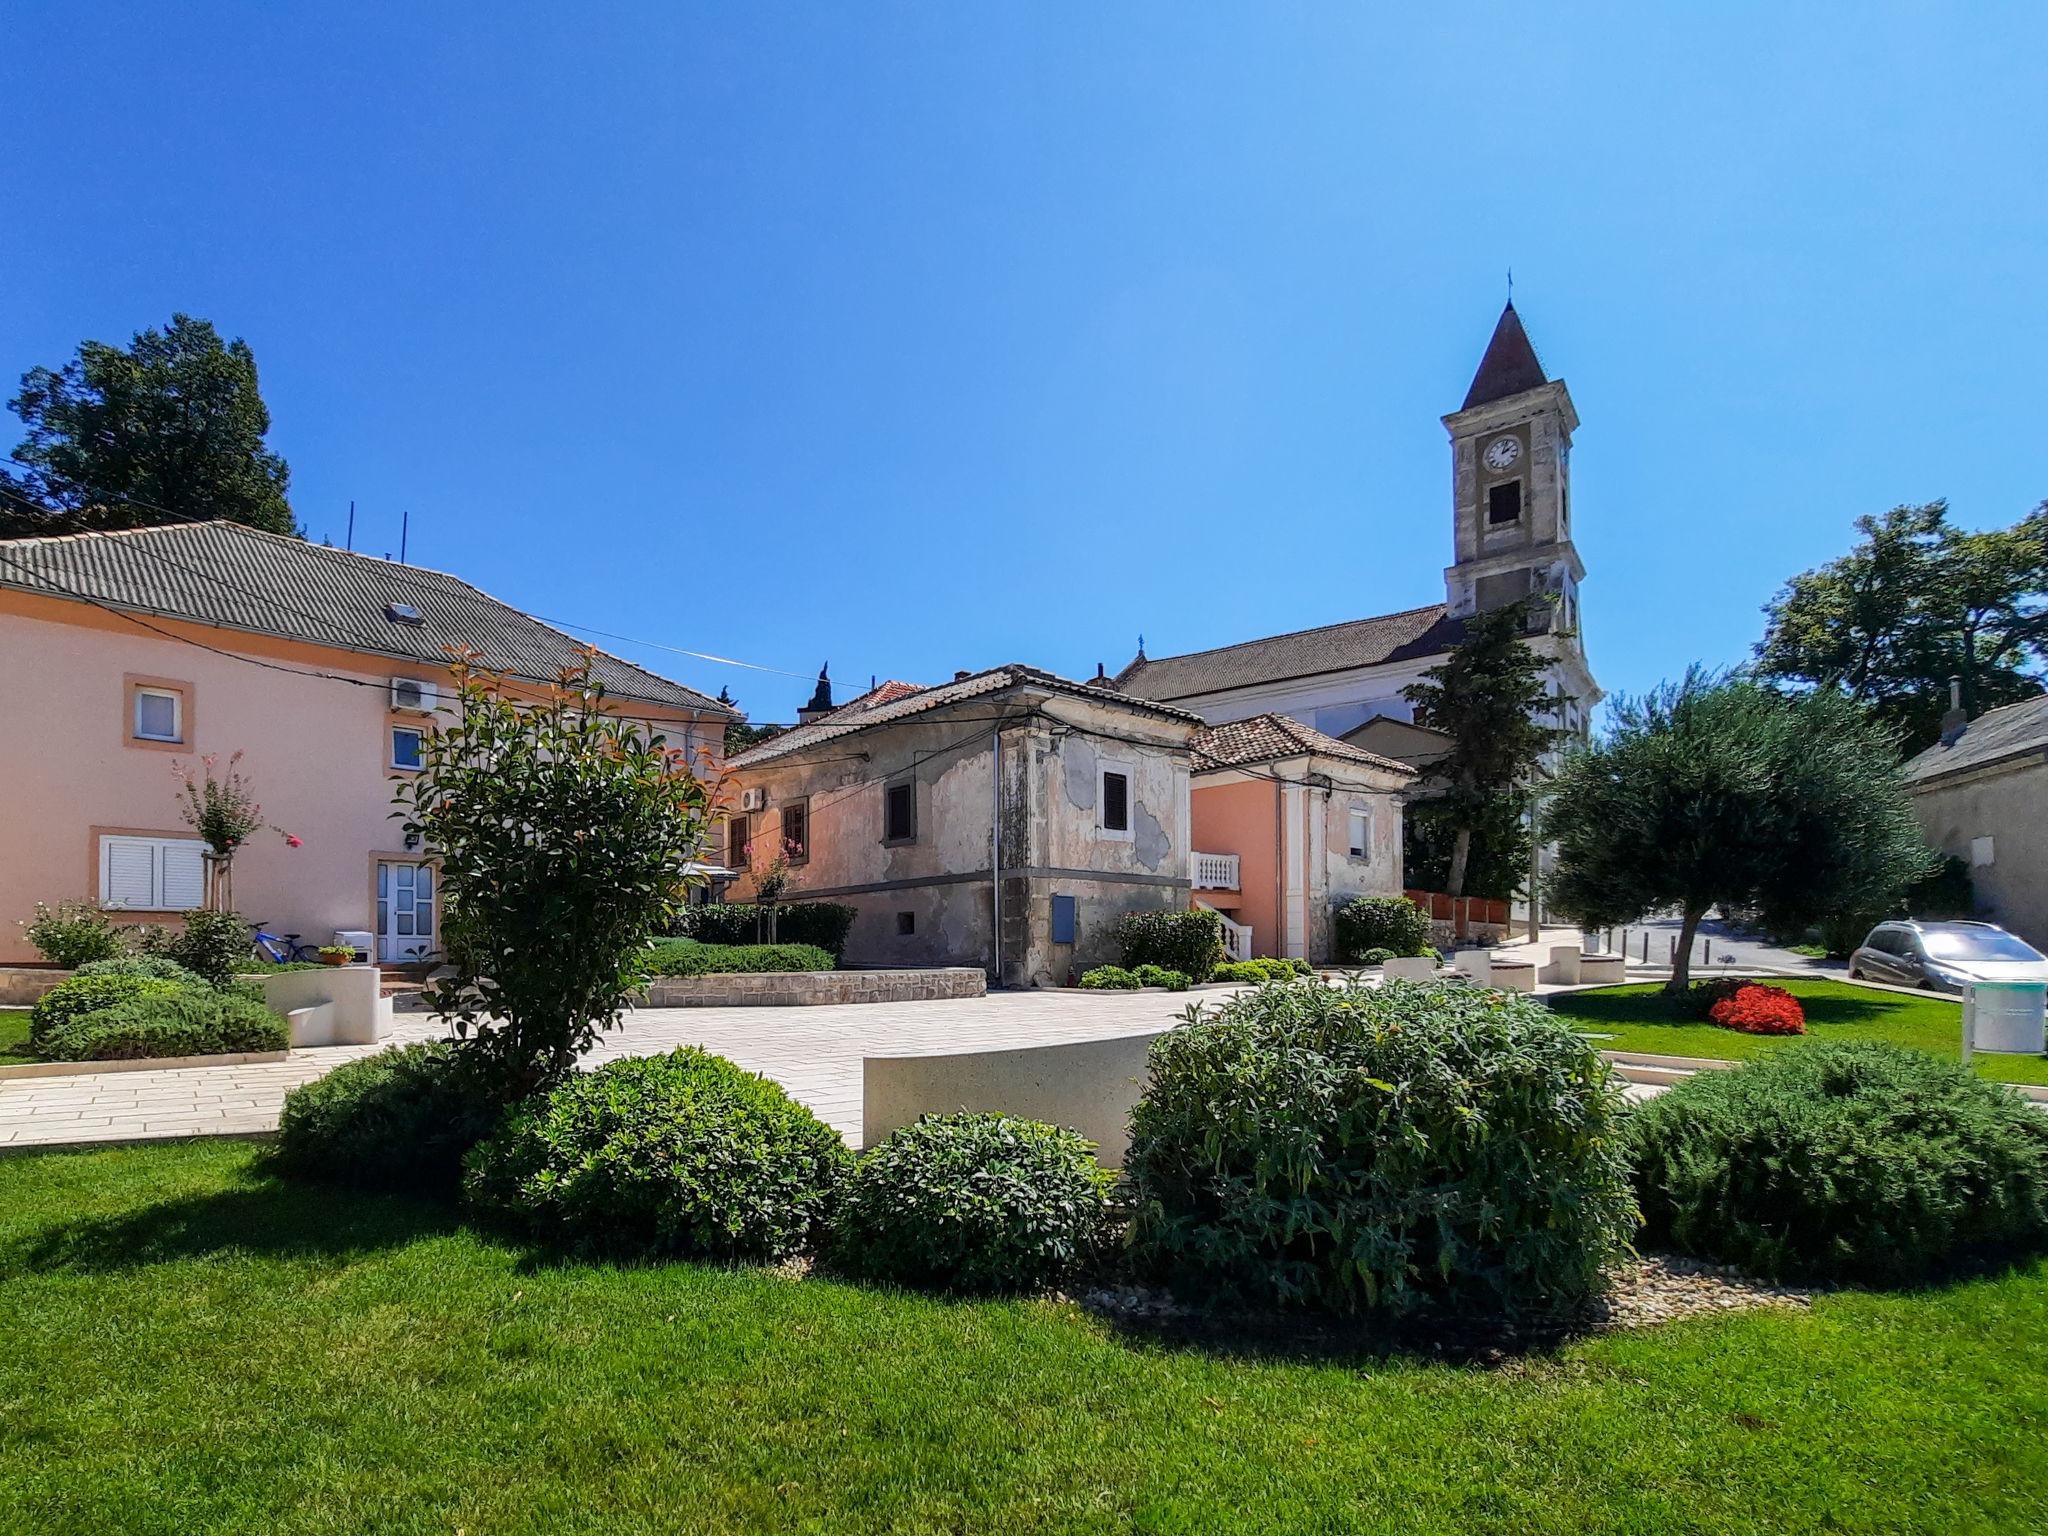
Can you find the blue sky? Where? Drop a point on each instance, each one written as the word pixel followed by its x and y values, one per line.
pixel 928 337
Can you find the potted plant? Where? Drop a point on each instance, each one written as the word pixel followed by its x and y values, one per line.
pixel 336 954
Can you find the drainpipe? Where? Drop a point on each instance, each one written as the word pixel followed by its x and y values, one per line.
pixel 995 845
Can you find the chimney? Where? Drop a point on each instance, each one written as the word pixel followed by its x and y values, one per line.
pixel 962 674
pixel 1102 679
pixel 1955 722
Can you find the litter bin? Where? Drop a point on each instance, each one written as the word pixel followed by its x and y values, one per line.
pixel 2009 1016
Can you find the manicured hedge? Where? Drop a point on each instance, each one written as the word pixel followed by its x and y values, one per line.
pixel 150 967
pixel 1842 1163
pixel 687 957
pixel 1111 978
pixel 822 923
pixel 1353 1148
pixel 1270 969
pixel 1393 923
pixel 78 996
pixel 974 1203
pixel 1189 942
pixel 402 1119
pixel 677 1156
pixel 185 1022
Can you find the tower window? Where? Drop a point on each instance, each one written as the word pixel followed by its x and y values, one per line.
pixel 1504 503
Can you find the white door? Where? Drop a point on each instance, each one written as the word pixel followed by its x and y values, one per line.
pixel 405 912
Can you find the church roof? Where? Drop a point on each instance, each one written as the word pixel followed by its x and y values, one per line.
pixel 1263 738
pixel 1426 631
pixel 1510 365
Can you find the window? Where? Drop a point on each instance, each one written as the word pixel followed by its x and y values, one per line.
pixel 1982 852
pixel 151 874
pixel 906 924
pixel 796 831
pixel 1361 832
pixel 737 835
pixel 1504 503
pixel 156 715
pixel 1113 804
pixel 899 812
pixel 406 743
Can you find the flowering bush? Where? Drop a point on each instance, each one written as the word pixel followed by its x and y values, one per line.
pixel 1755 1009
pixel 223 811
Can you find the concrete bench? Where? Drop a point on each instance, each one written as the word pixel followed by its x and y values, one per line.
pixel 1602 970
pixel 1410 968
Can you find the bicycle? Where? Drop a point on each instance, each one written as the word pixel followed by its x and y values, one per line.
pixel 282 951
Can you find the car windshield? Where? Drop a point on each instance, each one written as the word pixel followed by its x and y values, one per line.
pixel 1977 944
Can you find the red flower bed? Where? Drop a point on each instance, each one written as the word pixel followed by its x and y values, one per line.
pixel 1755 1009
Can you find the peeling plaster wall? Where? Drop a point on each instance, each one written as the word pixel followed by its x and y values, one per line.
pixel 1341 877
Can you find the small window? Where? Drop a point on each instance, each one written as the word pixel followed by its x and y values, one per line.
pixel 796 831
pixel 151 874
pixel 403 613
pixel 737 839
pixel 1114 803
pixel 159 715
pixel 1504 503
pixel 906 924
pixel 1361 832
pixel 406 745
pixel 899 813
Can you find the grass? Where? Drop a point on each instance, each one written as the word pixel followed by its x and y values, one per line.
pixel 14 1037
pixel 1640 1020
pixel 193 1346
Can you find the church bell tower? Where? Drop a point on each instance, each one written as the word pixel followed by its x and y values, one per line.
pixel 1511 488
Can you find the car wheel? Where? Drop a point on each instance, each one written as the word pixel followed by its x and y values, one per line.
pixel 1854 974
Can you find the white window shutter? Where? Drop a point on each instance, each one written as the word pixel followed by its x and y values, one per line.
pixel 182 882
pixel 127 872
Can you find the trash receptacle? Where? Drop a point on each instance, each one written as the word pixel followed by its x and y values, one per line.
pixel 2010 1016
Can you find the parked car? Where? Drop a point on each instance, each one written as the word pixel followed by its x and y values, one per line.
pixel 1943 957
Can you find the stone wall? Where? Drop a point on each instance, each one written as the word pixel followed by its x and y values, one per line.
pixel 21 985
pixel 782 989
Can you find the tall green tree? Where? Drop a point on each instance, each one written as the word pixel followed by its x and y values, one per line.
pixel 1488 696
pixel 1721 791
pixel 1916 602
pixel 168 429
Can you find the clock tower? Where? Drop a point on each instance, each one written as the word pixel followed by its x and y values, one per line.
pixel 1511 504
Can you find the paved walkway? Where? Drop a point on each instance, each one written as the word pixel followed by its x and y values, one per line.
pixel 815 1053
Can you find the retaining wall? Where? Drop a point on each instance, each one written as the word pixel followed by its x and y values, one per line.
pixel 786 989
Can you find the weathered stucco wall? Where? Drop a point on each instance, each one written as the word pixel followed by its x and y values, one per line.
pixel 2009 805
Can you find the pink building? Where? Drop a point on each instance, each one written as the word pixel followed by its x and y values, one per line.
pixel 129 652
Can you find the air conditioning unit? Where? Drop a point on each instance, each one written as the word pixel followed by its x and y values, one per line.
pixel 753 799
pixel 414 696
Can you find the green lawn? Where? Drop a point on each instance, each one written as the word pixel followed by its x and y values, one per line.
pixel 192 1346
pixel 14 1036
pixel 1835 1010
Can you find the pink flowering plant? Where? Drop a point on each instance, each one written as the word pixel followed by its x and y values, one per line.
pixel 221 808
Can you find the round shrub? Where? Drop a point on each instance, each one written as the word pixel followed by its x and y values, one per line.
pixel 1760 1010
pixel 1113 978
pixel 151 967
pixel 978 1204
pixel 1841 1162
pixel 81 995
pixel 178 1021
pixel 1351 1148
pixel 74 934
pixel 1159 976
pixel 1190 942
pixel 677 1156
pixel 1380 922
pixel 1377 957
pixel 401 1119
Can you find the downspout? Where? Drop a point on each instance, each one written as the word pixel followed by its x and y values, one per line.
pixel 995 847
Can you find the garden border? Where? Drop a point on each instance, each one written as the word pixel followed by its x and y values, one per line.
pixel 144 1064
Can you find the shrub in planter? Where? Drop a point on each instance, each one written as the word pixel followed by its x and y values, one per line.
pixel 687 957
pixel 73 933
pixel 215 945
pixel 184 1021
pixel 677 1156
pixel 1271 969
pixel 152 967
pixel 81 995
pixel 1351 1148
pixel 402 1119
pixel 823 923
pixel 1188 942
pixel 1760 1010
pixel 1111 978
pixel 1861 1163
pixel 1380 922
pixel 974 1203
pixel 1158 976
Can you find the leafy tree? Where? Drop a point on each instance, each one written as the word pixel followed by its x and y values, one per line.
pixel 738 734
pixel 1721 791
pixel 1916 602
pixel 174 421
pixel 563 834
pixel 1486 696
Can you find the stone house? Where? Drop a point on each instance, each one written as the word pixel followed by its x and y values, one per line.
pixel 1005 819
pixel 1981 794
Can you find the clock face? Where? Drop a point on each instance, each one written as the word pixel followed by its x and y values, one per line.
pixel 1502 452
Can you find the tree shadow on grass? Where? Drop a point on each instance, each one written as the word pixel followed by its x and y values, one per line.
pixel 264 1217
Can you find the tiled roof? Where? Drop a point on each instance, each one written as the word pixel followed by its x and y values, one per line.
pixel 1509 366
pixel 241 578
pixel 2011 731
pixel 846 721
pixel 880 694
pixel 1263 738
pixel 1305 653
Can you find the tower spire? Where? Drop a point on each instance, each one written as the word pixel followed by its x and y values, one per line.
pixel 1510 364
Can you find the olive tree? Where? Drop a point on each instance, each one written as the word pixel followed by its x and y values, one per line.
pixel 565 837
pixel 1718 791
